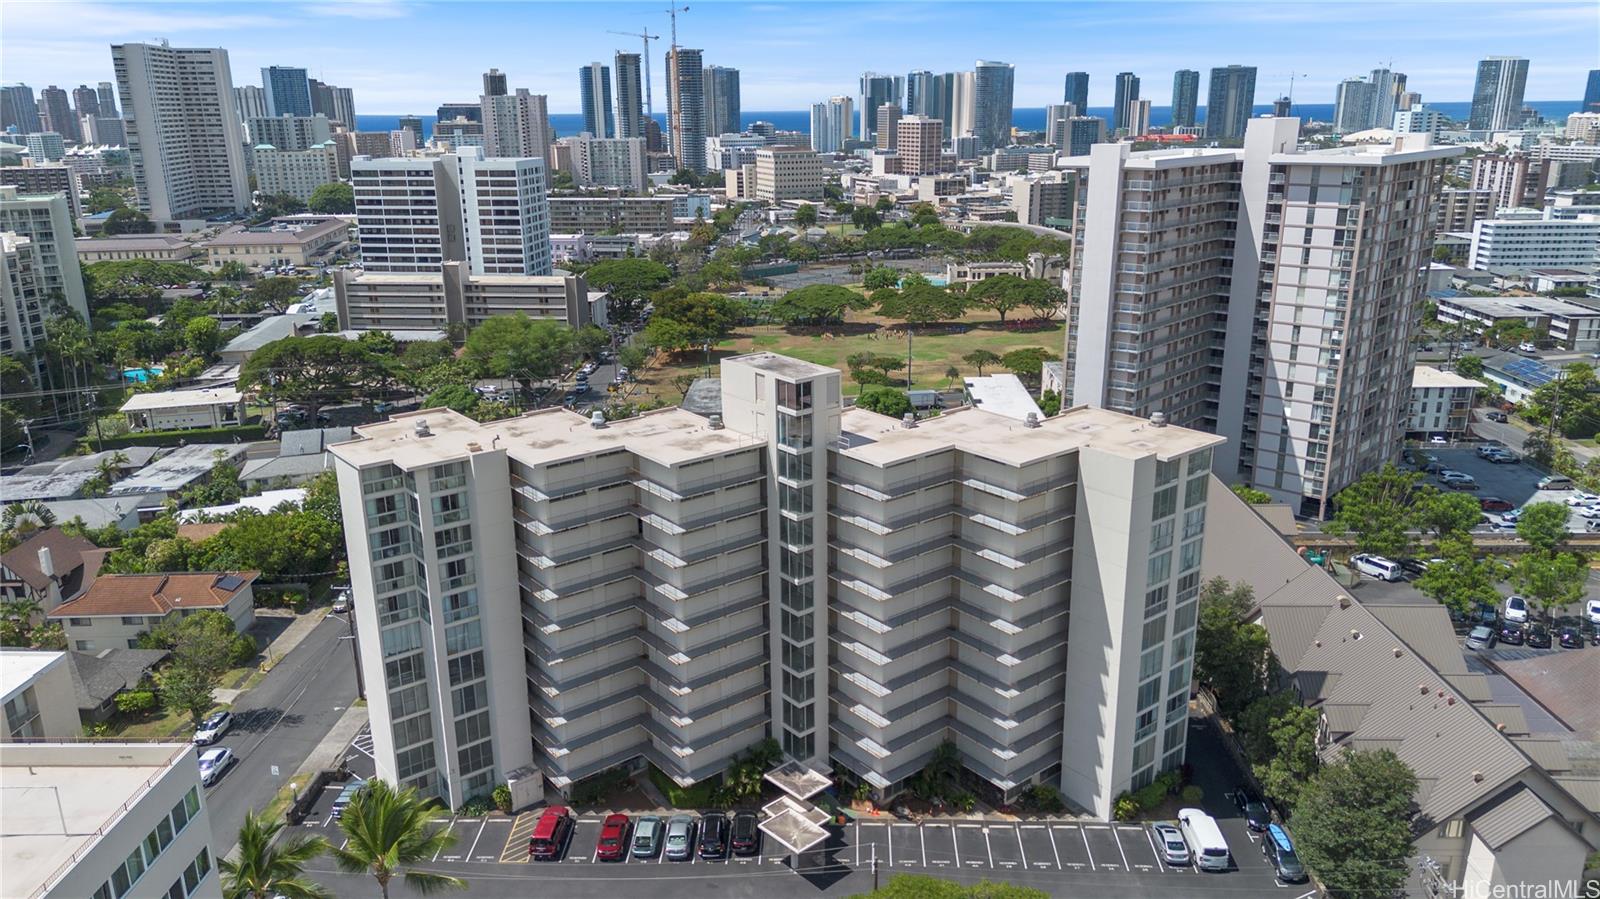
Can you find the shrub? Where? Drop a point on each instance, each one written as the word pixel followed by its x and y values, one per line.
pixel 1042 798
pixel 1192 794
pixel 244 650
pixel 1149 796
pixel 173 438
pixel 594 789
pixel 135 702
pixel 474 807
pixel 1126 808
pixel 502 798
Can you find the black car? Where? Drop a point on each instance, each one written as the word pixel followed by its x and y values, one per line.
pixel 1256 816
pixel 713 835
pixel 1512 634
pixel 1414 567
pixel 746 838
pixel 1539 637
pixel 1570 638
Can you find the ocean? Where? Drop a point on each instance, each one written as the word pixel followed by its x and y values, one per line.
pixel 1028 119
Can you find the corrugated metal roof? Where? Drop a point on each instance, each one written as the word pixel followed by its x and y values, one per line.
pixel 1344 719
pixel 1509 816
pixel 1507 714
pixel 1473 686
pixel 1547 753
pixel 1291 629
pixel 1426 629
pixel 1585 789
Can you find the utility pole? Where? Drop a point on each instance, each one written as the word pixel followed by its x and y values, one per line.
pixel 350 622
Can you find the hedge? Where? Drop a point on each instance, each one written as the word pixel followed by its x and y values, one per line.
pixel 173 438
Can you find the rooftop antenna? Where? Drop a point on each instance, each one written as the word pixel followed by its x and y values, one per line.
pixel 648 37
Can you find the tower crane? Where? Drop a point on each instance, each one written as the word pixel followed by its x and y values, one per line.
pixel 647 38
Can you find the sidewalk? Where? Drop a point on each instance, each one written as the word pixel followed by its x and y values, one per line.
pixel 298 629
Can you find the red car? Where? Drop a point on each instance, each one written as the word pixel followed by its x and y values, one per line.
pixel 1494 504
pixel 550 834
pixel 613 839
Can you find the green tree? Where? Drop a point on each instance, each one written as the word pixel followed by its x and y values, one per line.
pixel 979 358
pixel 921 304
pixel 690 321
pixel 314 371
pixel 265 868
pixel 274 205
pixel 1539 449
pixel 1550 580
pixel 950 375
pixel 884 401
pixel 124 220
pixel 517 347
pixel 1028 361
pixel 818 304
pixel 633 358
pixel 1294 759
pixel 103 199
pixel 1469 367
pixel 1001 294
pixel 16 621
pixel 1234 658
pixel 880 277
pixel 1571 403
pixel 203 336
pixel 1251 495
pixel 865 217
pixel 1378 510
pixel 188 690
pixel 627 283
pixel 328 323
pixel 805 215
pixel 1447 513
pixel 203 640
pixel 1543 526
pixel 233 270
pixel 333 198
pixel 456 397
pixel 389 834
pixel 1255 723
pixel 924 214
pixel 1462 580
pixel 276 294
pixel 1353 824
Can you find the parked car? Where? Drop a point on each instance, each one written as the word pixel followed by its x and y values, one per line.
pixel 342 801
pixel 1516 609
pixel 613 843
pixel 647 836
pixel 1174 851
pixel 1502 457
pixel 1482 637
pixel 1555 482
pixel 1591 611
pixel 1569 638
pixel 745 837
pixel 214 763
pixel 1494 504
pixel 1414 567
pixel 341 603
pixel 1512 634
pixel 1256 816
pixel 1495 415
pixel 212 729
pixel 1538 637
pixel 1279 850
pixel 1437 440
pixel 1456 480
pixel 1375 567
pixel 550 834
pixel 714 835
pixel 680 838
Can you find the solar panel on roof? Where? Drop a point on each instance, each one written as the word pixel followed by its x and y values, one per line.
pixel 230 582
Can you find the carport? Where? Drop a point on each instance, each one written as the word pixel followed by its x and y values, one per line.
pixel 792 820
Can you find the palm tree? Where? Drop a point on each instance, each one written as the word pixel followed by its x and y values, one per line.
pixel 264 869
pixel 388 832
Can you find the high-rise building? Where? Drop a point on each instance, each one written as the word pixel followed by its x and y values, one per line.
pixel 86 101
pixel 296 173
pixel 732 151
pixel 105 131
pixel 290 132
pixel 412 124
pixel 1387 89
pixel 963 119
pixel 722 100
pixel 1186 97
pixel 108 99
pixel 1230 98
pixel 22 299
pixel 686 108
pixel 250 101
pixel 594 91
pixel 46 221
pixel 337 103
pixel 19 110
pixel 876 90
pixel 888 120
pixel 472 112
pixel 1309 379
pixel 919 140
pixel 1497 94
pixel 288 90
pixel 630 96
pixel 919 89
pixel 414 214
pixel 1591 92
pixel 992 91
pixel 1420 120
pixel 1138 117
pixel 1084 132
pixel 1282 107
pixel 517 124
pixel 1057 123
pixel 43 180
pixel 55 108
pixel 1077 91
pixel 830 124
pixel 719 606
pixel 183 130
pixel 1127 92
pixel 45 146
pixel 1352 107
pixel 616 162
pixel 494 83
pixel 1043 199
pixel 788 173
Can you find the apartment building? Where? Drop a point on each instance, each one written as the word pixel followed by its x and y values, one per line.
pixel 611 162
pixel 1460 207
pixel 1042 200
pixel 1263 293
pixel 919 142
pixel 415 214
pixel 290 132
pixel 432 301
pixel 1572 326
pixel 104 820
pixel 22 297
pixel 629 215
pixel 46 220
pixel 43 180
pixel 1515 180
pixel 730 151
pixel 183 130
pixel 297 173
pixel 1535 243
pixel 36 689
pixel 889 585
pixel 788 173
pixel 1441 403
pixel 517 124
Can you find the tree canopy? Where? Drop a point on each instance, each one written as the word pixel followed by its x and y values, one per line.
pixel 1028 361
pixel 818 304
pixel 1233 657
pixel 920 304
pixel 627 283
pixel 520 348
pixel 884 401
pixel 1378 509
pixel 1353 824
pixel 316 371
pixel 689 321
pixel 335 197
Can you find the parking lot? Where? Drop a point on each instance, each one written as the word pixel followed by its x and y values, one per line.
pixel 1516 483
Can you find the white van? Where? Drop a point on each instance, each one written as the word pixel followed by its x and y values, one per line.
pixel 1376 567
pixel 1205 839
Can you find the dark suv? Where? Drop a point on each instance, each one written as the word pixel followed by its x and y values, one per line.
pixel 714 835
pixel 746 838
pixel 1278 849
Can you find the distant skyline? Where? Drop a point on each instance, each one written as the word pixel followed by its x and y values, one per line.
pixel 390 52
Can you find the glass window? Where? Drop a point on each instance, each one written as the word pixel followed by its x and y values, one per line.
pixel 1159 569
pixel 191 802
pixel 1155 630
pixel 794 466
pixel 468 667
pixel 135 866
pixel 797 687
pixel 794 499
pixel 795 533
pixel 1165 503
pixel 163 833
pixel 411 700
pixel 798 717
pixel 794 564
pixel 1150 663
pixel 1184 617
pixel 471 730
pixel 794 431
pixel 462 637
pixel 1194 522
pixel 1155 601
pixel 1160 536
pixel 1194 493
pixel 1200 462
pixel 1178 679
pixel 798 628
pixel 413 731
pixel 1144 753
pixel 469 699
pixel 797 658
pixel 476 757
pixel 403 639
pixel 796 596
pixel 399 672
pixel 1149 693
pixel 1189 556
pixel 1167 472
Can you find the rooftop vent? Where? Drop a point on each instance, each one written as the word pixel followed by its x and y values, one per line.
pixel 1477 777
pixel 1423 688
pixel 1355 634
pixel 1344 602
pixel 716 423
pixel 421 428
pixel 1031 421
pixel 909 421
pixel 597 419
pixel 1501 727
pixel 1158 419
pixel 474 446
pixel 1397 652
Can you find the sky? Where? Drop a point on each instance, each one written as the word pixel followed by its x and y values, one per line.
pixel 408 56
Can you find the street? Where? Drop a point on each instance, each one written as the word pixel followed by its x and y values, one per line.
pixel 279 723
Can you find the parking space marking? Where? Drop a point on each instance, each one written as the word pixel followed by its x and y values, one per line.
pixel 1084 832
pixel 1056 846
pixel 1022 839
pixel 515 850
pixel 988 848
pixel 976 863
pixel 488 856
pixel 936 859
pixel 1155 850
pixel 1138 846
pixel 449 823
pixel 922 837
pixel 1022 849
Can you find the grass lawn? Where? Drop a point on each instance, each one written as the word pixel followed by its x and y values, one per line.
pixel 933 349
pixel 697 796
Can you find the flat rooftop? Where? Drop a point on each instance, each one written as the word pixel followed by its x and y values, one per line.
pixel 786 366
pixel 1514 306
pixel 183 399
pixel 186 465
pixel 59 797
pixel 1003 394
pixel 1428 376
pixel 18 667
pixel 880 440
pixel 668 436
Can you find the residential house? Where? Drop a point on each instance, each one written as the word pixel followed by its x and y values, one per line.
pixel 47 568
pixel 117 608
pixel 97 677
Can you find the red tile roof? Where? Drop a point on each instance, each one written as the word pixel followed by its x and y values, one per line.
pixel 156 594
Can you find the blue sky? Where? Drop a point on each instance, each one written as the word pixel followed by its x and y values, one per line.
pixel 403 56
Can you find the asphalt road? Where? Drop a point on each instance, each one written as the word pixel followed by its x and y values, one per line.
pixel 279 723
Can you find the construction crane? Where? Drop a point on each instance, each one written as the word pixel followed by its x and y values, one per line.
pixel 647 38
pixel 673 11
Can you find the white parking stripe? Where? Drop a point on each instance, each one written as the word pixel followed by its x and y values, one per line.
pixel 924 835
pixel 858 844
pixel 441 848
pixel 1022 849
pixel 987 848
pixel 891 846
pixel 473 848
pixel 1160 866
pixel 1052 838
pixel 1118 840
pixel 955 846
pixel 1085 834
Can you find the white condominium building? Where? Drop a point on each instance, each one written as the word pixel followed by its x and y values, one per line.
pixel 730 151
pixel 297 173
pixel 432 301
pixel 1535 243
pixel 183 130
pixel 46 220
pixel 1263 293
pixel 608 162
pixel 414 214
pixel 552 595
pixel 788 173
pixel 517 124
